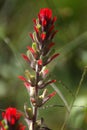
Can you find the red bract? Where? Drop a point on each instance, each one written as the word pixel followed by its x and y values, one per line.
pixel 43 36
pixel 22 78
pixel 25 57
pixel 11 115
pixel 45 15
pixel 31 49
pixel 52 94
pixel 39 62
pixel 27 85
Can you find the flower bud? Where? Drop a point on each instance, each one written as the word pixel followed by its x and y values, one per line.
pixel 29 112
pixel 32 91
pixel 27 74
pixel 44 71
pixel 39 101
pixel 34 46
pixel 44 93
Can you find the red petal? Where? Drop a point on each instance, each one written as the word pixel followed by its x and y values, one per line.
pixel 45 71
pixel 31 35
pixel 54 56
pixel 43 36
pixel 52 81
pixel 51 28
pixel 39 62
pixel 51 44
pixel 30 49
pixel 27 85
pixel 52 94
pixel 34 20
pixel 44 22
pixel 25 57
pixel 54 19
pixel 22 78
pixel 36 29
pixel 54 34
pixel 12 121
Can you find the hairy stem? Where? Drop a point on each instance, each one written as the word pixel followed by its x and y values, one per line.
pixel 35 108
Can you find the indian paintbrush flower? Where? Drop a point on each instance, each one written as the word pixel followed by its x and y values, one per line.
pixel 11 115
pixel 10 120
pixel 38 56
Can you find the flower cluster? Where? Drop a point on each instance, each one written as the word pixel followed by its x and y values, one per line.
pixel 38 57
pixel 10 120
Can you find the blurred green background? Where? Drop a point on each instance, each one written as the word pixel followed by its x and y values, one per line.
pixel 71 42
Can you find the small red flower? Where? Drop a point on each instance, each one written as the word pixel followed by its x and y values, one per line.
pixel 25 57
pixel 36 29
pixel 51 45
pixel 52 94
pixel 31 49
pixel 43 36
pixel 40 62
pixel 22 78
pixel 46 71
pixel 34 20
pixel 11 115
pixel 31 35
pixel 27 85
pixel 45 13
pixel 45 16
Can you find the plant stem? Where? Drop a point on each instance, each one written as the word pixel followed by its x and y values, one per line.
pixel 35 108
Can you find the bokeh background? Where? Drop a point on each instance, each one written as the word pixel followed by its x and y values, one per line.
pixel 71 42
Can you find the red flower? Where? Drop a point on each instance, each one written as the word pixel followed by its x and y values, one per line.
pixel 11 115
pixel 45 15
pixel 43 36
pixel 40 62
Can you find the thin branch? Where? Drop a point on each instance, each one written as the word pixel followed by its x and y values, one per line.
pixel 76 94
pixel 61 96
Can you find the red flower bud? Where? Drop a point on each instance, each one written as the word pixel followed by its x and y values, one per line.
pixel 54 56
pixel 51 44
pixel 34 20
pixel 45 13
pixel 27 85
pixel 31 35
pixel 11 115
pixel 22 78
pixel 43 36
pixel 25 57
pixel 51 28
pixel 52 36
pixel 31 49
pixel 45 84
pixel 54 19
pixel 46 71
pixel 52 94
pixel 36 29
pixel 39 62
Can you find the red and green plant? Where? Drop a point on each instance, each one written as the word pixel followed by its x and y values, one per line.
pixel 38 56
